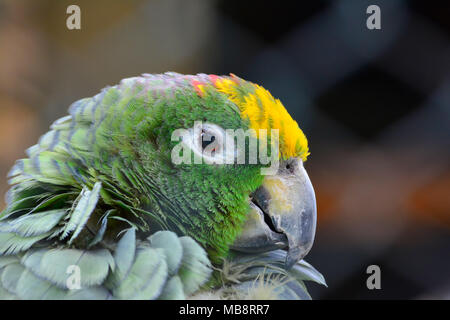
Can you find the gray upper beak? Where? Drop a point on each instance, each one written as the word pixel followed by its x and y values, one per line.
pixel 283 214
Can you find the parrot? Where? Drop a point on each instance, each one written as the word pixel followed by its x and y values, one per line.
pixel 99 209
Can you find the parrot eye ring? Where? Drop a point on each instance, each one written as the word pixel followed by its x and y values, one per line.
pixel 207 140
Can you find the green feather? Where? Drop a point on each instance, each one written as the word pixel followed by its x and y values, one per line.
pixel 21 204
pixel 86 204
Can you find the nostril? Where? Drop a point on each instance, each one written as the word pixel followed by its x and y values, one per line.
pixel 290 167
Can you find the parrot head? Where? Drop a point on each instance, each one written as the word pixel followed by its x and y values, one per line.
pixel 163 187
pixel 203 186
pixel 216 158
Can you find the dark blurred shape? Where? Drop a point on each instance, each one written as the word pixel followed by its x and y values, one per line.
pixel 270 20
pixel 430 202
pixel 394 286
pixel 373 97
pixel 436 14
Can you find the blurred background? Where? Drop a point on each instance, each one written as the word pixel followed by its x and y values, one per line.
pixel 375 105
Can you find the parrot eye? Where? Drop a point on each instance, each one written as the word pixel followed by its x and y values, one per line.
pixel 208 142
pixel 207 139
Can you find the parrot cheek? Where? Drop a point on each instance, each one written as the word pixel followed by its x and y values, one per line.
pixel 283 215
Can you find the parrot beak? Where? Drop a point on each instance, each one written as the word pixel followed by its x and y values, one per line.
pixel 282 214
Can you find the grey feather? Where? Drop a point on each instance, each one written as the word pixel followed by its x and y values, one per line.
pixel 173 290
pixel 11 243
pixel 10 276
pixel 33 224
pixel 173 249
pixel 123 256
pixel 195 267
pixel 146 278
pixel 53 265
pixel 30 287
pixel 86 204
